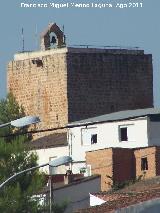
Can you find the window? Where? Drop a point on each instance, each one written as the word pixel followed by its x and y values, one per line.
pixel 123 134
pixel 144 164
pixel 88 136
pixel 127 132
pixel 93 138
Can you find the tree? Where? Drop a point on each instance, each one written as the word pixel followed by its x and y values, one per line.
pixel 17 195
pixel 10 110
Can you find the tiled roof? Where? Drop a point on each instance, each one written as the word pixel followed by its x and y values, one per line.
pixel 133 194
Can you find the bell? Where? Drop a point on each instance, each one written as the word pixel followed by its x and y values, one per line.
pixel 53 40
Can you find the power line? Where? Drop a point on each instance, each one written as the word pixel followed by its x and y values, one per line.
pixel 49 130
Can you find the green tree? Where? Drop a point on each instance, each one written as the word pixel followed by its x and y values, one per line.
pixel 10 110
pixel 17 195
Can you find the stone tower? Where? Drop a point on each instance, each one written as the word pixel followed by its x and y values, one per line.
pixel 65 84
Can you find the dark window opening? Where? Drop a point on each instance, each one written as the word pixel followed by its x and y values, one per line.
pixel 144 164
pixel 123 134
pixel 38 62
pixel 93 138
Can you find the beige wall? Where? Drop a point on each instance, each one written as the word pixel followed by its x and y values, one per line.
pixel 123 164
pixel 150 154
pixel 101 162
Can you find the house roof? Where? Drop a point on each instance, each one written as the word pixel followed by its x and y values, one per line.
pixel 46 189
pixel 49 141
pixel 116 116
pixel 141 191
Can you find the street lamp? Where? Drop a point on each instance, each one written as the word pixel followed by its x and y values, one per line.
pixel 21 122
pixel 57 162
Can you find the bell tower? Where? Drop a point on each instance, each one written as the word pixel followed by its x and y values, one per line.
pixel 52 37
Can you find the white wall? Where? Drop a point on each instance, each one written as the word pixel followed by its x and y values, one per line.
pixel 108 135
pixel 45 155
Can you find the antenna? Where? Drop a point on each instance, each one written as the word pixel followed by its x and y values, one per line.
pixel 22 40
pixel 36 37
pixel 64 37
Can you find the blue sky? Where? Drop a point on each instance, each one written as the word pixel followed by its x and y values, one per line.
pixel 106 26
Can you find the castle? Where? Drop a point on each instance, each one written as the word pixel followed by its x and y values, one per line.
pixel 63 84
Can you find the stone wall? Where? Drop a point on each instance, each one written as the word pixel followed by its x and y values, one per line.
pixel 39 84
pixel 102 82
pixel 68 84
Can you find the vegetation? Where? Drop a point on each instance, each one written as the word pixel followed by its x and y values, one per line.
pixel 120 185
pixel 60 208
pixel 17 195
pixel 9 111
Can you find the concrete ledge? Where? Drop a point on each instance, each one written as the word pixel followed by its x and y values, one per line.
pixel 39 54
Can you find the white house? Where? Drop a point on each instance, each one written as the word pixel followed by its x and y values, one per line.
pixel 49 148
pixel 126 129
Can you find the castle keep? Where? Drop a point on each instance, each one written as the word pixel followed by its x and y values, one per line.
pixel 66 84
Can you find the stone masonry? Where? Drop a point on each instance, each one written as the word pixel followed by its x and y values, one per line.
pixel 104 81
pixel 67 84
pixel 41 88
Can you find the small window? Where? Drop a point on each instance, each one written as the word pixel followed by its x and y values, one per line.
pixel 144 164
pixel 88 136
pixel 93 138
pixel 123 134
